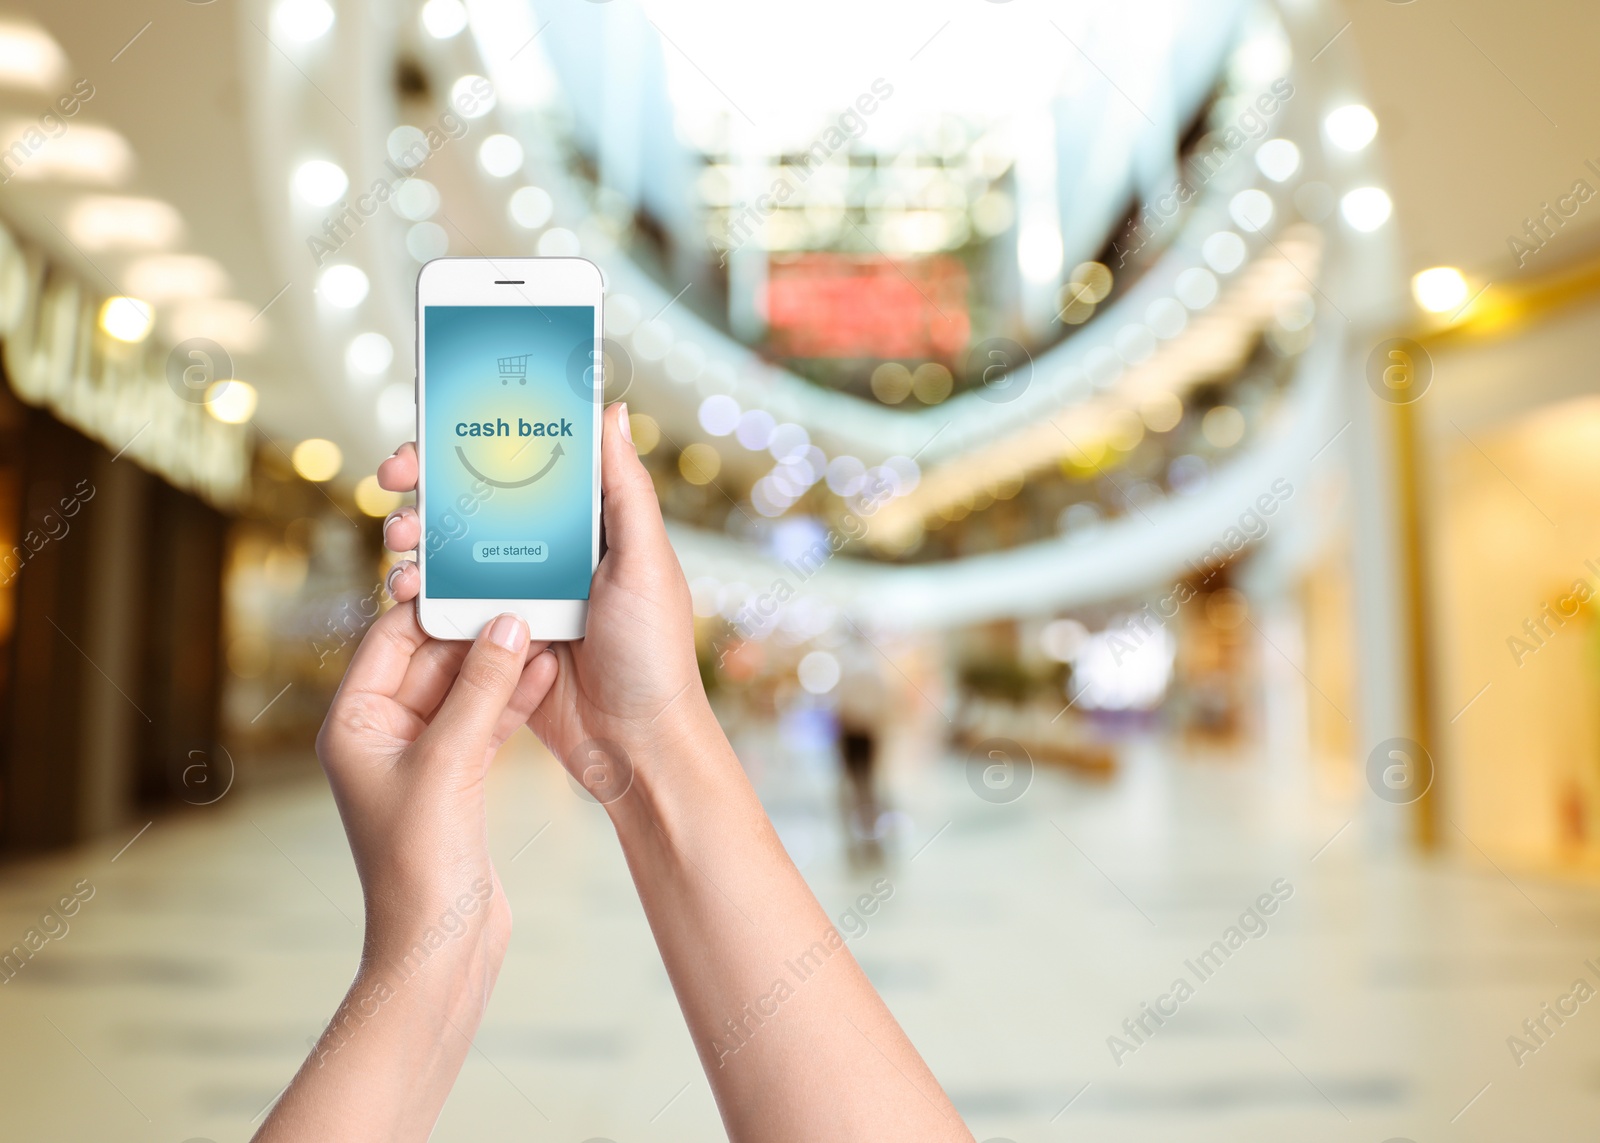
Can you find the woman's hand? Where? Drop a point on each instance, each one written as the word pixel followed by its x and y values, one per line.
pixel 633 678
pixel 406 745
pixel 626 711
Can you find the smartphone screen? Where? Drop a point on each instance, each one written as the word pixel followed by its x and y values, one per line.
pixel 509 448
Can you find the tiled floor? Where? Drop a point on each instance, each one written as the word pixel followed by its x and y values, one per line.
pixel 1020 936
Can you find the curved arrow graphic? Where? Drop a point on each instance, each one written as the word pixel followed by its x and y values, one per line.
pixel 555 455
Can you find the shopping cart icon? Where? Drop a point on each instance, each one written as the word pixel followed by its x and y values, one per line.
pixel 516 367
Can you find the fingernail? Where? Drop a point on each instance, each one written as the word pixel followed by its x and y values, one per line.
pixel 623 425
pixel 509 633
pixel 388 580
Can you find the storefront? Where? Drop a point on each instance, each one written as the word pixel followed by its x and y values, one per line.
pixel 115 496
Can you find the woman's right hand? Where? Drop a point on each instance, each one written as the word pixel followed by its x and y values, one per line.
pixel 632 682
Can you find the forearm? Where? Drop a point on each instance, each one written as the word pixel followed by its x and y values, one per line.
pixel 795 1040
pixel 386 1061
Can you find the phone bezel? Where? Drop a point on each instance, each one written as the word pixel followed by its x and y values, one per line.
pixel 509 282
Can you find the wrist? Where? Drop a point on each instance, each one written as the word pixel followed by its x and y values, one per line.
pixel 452 933
pixel 682 770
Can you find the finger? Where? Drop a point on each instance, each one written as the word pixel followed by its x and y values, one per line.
pixel 489 674
pixel 632 511
pixel 432 672
pixel 537 678
pixel 384 655
pixel 402 529
pixel 404 581
pixel 553 720
pixel 399 472
pixel 428 679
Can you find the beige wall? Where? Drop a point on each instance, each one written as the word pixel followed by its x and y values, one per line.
pixel 1513 511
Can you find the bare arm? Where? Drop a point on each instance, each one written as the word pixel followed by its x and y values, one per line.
pixel 797 1044
pixel 794 1039
pixel 406 745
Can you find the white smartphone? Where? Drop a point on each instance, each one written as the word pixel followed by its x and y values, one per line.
pixel 509 395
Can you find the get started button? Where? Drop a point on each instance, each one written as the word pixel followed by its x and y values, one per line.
pixel 511 552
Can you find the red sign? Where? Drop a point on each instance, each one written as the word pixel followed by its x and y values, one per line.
pixel 843 305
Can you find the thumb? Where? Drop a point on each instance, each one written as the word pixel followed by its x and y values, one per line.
pixel 632 512
pixel 466 721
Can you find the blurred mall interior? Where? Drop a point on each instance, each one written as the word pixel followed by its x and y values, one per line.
pixel 1126 456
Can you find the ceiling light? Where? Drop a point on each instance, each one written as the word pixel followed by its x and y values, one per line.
pixel 1263 57
pixel 374 499
pixel 845 474
pixel 427 240
pixel 86 154
pixel 1223 426
pixel 1224 251
pixel 238 326
pixel 343 286
pixel 473 96
pixel 1440 289
pixel 1161 412
pixel 500 155
pixel 1039 252
pixel 127 319
pixel 558 242
pixel 531 207
pixel 417 199
pixel 1366 208
pixel 368 354
pixel 699 463
pixel 317 460
pixel 408 146
pixel 165 277
pixel 443 19
pixel 1350 128
pixel 1278 159
pixel 819 672
pixel 233 402
pixel 319 182
pixel 103 222
pixel 303 20
pixel 29 57
pixel 1251 210
pixel 1196 288
pixel 1061 639
pixel 719 414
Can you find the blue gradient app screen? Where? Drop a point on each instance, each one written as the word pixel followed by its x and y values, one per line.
pixel 509 438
